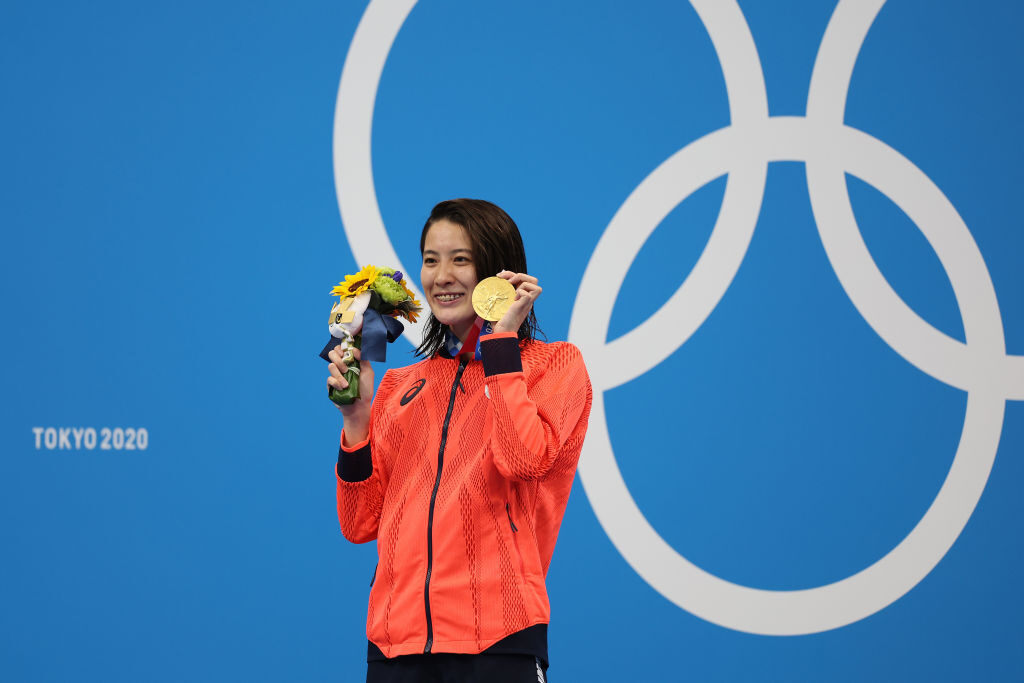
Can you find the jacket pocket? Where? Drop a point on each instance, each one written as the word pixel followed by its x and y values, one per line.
pixel 508 511
pixel 515 540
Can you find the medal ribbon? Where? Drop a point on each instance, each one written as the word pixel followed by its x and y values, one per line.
pixel 480 329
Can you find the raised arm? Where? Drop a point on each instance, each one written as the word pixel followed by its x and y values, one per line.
pixel 531 424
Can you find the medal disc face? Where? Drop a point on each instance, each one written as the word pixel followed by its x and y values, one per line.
pixel 492 298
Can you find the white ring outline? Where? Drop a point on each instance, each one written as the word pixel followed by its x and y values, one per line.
pixel 742 150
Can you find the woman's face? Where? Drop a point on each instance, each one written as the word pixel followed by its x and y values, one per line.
pixel 449 276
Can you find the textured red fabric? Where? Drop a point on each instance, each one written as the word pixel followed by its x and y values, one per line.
pixel 513 443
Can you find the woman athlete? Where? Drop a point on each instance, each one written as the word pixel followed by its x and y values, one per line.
pixel 460 468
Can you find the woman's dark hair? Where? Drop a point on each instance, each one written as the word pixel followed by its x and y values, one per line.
pixel 496 245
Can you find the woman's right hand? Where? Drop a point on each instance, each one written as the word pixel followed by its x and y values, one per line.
pixel 357 415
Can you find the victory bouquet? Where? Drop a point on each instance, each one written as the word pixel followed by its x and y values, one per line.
pixel 366 318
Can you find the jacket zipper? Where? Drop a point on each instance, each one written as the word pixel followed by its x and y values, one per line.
pixel 433 499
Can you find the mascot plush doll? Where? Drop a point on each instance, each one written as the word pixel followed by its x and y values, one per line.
pixel 366 318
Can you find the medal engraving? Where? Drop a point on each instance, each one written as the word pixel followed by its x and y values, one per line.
pixel 492 297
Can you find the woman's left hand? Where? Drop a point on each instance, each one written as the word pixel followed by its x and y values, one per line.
pixel 527 291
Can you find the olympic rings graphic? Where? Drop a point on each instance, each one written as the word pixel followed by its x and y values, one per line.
pixel 742 151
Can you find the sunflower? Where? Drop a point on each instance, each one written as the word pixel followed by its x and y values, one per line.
pixel 355 284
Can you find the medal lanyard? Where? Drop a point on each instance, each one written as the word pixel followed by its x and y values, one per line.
pixel 472 343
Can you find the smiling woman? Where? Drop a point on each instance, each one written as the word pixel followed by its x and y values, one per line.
pixel 469 239
pixel 449 276
pixel 463 562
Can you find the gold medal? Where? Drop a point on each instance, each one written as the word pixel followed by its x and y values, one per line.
pixel 492 297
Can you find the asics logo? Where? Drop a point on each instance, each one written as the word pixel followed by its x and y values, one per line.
pixel 412 391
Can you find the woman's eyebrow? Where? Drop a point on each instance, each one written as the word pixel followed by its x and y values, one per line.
pixel 453 251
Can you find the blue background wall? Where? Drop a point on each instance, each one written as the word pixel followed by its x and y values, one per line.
pixel 171 230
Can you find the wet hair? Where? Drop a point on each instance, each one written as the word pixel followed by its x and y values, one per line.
pixel 496 245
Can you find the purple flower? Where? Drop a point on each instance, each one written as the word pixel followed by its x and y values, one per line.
pixel 397 277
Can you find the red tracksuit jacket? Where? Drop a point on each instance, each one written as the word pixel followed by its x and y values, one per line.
pixel 463 481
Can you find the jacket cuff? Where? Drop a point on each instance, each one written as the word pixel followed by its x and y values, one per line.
pixel 354 464
pixel 500 353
